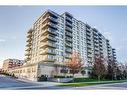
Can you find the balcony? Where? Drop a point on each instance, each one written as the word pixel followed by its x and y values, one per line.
pixel 88 30
pixel 68 15
pixel 88 42
pixel 48 44
pixel 68 45
pixel 69 24
pixel 27 54
pixel 68 56
pixel 68 50
pixel 101 49
pixel 30 31
pixel 89 55
pixel 96 41
pixel 50 24
pixel 68 29
pixel 95 37
pixel 52 19
pixel 100 38
pixel 95 33
pixel 68 34
pixel 68 19
pixel 88 35
pixel 96 47
pixel 89 48
pixel 90 51
pixel 69 39
pixel 46 38
pixel 27 59
pixel 28 49
pixel 46 59
pixel 100 45
pixel 29 35
pixel 108 46
pixel 49 31
pixel 48 51
pixel 29 40
pixel 29 44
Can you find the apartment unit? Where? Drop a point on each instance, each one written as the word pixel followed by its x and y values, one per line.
pixel 11 63
pixel 52 40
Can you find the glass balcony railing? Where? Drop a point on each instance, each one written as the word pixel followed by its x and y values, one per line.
pixel 68 50
pixel 68 29
pixel 48 44
pixel 49 30
pixel 69 45
pixel 48 51
pixel 69 39
pixel 45 38
pixel 68 34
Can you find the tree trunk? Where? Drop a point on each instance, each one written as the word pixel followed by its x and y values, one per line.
pixel 73 77
pixel 99 78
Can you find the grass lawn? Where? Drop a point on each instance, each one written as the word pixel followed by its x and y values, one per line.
pixel 79 84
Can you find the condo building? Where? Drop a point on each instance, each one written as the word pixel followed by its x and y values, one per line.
pixel 11 63
pixel 52 40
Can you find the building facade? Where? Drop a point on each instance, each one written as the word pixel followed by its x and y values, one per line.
pixel 11 64
pixel 53 38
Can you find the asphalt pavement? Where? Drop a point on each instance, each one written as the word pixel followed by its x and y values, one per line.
pixel 8 83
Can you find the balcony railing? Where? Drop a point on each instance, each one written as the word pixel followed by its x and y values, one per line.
pixel 48 44
pixel 51 18
pixel 46 59
pixel 88 30
pixel 27 54
pixel 69 19
pixel 68 29
pixel 48 51
pixel 29 44
pixel 68 56
pixel 68 39
pixel 68 50
pixel 49 30
pixel 69 45
pixel 45 38
pixel 29 35
pixel 68 34
pixel 68 24
pixel 29 40
pixel 50 24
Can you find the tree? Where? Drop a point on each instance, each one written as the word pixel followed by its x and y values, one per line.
pixel 75 64
pixel 99 68
pixel 118 74
pixel 125 71
pixel 112 69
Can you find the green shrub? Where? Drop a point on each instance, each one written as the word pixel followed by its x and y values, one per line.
pixel 84 80
pixel 42 78
pixel 63 76
pixel 59 76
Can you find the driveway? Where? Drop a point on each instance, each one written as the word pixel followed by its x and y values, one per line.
pixel 11 83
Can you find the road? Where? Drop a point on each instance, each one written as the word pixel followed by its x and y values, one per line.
pixel 16 84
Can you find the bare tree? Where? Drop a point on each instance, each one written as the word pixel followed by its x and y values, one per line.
pixel 99 68
pixel 75 64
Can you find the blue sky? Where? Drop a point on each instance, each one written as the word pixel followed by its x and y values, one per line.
pixel 16 20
